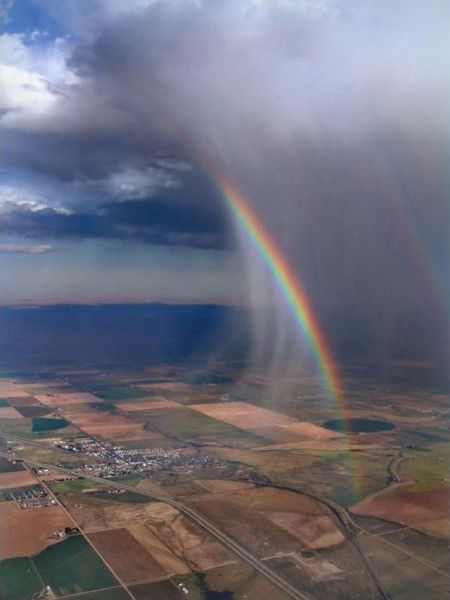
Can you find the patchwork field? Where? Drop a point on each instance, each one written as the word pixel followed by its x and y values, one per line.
pixel 62 399
pixel 264 422
pixel 27 532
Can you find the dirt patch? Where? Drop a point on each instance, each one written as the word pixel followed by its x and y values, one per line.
pixel 314 532
pixel 150 404
pixel 219 486
pixel 128 558
pixel 55 399
pixel 10 390
pixel 311 431
pixel 16 479
pixel 27 532
pixel 8 412
pixel 185 539
pixel 171 563
pixel 405 506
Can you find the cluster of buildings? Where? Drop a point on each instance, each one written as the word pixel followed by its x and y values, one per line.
pixel 35 497
pixel 109 460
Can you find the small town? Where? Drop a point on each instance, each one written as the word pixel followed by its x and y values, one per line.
pixel 113 461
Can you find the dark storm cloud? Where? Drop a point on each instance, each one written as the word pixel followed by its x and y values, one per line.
pixel 331 117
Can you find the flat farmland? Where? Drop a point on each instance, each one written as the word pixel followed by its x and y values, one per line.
pixel 27 532
pixel 172 564
pixel 267 423
pixel 15 479
pixel 72 566
pixel 262 537
pixel 110 426
pixel 10 390
pixel 8 412
pixel 7 466
pixel 187 424
pixel 267 513
pixel 153 403
pixel 128 558
pixel 409 507
pixel 403 576
pixel 18 579
pixel 23 401
pixel 54 399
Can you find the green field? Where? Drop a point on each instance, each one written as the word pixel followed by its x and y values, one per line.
pixel 44 424
pixel 18 579
pixel 72 566
pixel 121 393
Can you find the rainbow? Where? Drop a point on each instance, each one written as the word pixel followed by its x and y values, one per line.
pixel 288 283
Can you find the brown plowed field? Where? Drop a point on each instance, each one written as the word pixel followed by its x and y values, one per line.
pixel 10 390
pixel 405 506
pixel 150 404
pixel 26 532
pixel 16 479
pixel 128 558
pixel 8 412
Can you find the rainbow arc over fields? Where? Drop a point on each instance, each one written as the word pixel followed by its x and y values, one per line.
pixel 288 283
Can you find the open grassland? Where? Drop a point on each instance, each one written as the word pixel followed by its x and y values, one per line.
pixel 402 575
pixel 428 468
pixel 26 532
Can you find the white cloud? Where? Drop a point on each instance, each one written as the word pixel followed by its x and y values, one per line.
pixel 16 198
pixel 25 248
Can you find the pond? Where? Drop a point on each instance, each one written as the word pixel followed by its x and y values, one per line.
pixel 358 425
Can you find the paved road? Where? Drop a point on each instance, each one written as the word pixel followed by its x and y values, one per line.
pixel 230 543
